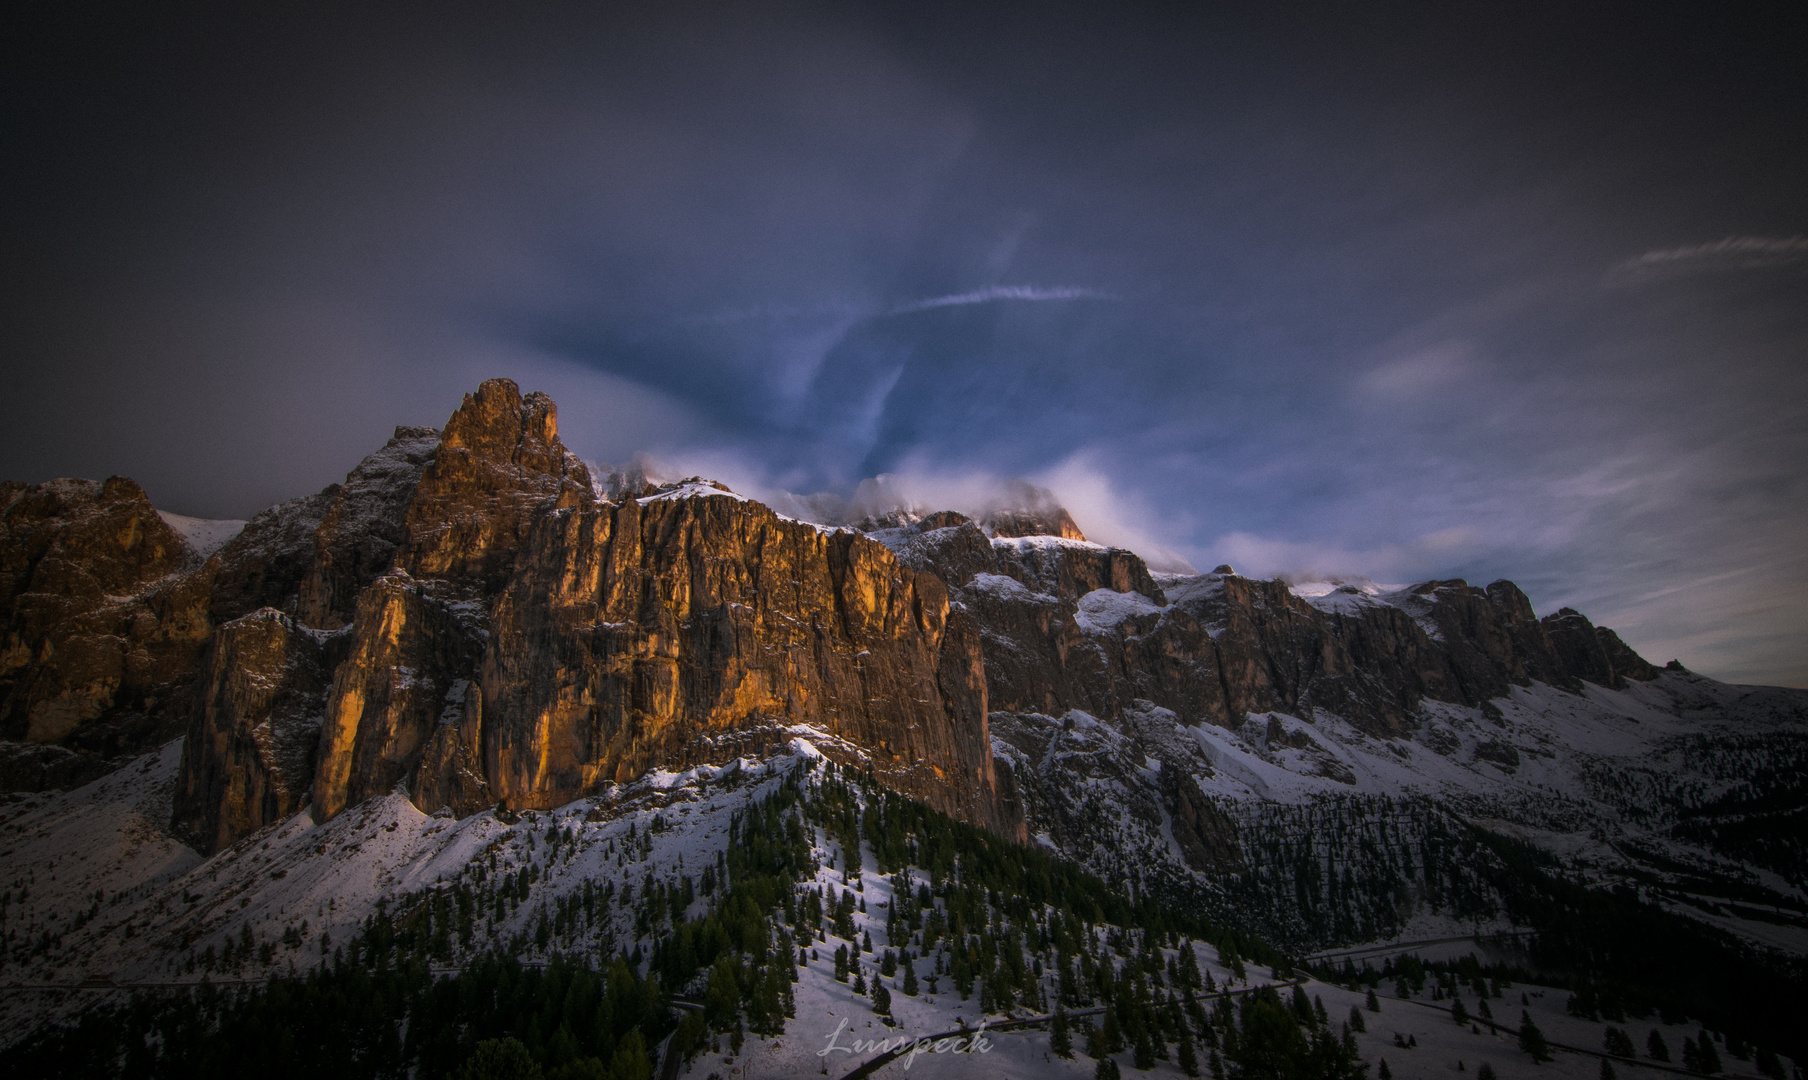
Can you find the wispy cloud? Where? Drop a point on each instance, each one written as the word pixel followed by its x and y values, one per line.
pixel 1732 253
pixel 994 293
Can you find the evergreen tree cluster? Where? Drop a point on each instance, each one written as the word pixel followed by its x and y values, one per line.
pixel 570 1021
pixel 1333 869
pixel 1623 956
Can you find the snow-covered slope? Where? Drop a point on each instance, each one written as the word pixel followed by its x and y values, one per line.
pixel 205 535
pixel 112 899
pixel 1625 786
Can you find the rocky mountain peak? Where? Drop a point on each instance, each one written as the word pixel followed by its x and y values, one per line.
pixel 498 462
pixel 498 423
pixel 1028 510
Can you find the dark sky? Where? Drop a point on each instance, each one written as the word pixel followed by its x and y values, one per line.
pixel 1496 290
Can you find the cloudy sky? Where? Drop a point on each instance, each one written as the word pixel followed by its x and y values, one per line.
pixel 1451 290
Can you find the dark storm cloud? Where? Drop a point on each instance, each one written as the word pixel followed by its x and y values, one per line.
pixel 1396 292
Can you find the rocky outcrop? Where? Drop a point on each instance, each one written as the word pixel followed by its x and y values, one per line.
pixel 1206 837
pixel 103 628
pixel 1584 651
pixel 313 555
pixel 249 756
pixel 1626 663
pixel 498 465
pixel 363 525
pixel 411 646
pixel 957 550
pixel 1028 510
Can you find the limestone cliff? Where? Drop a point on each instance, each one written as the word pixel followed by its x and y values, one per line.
pixel 672 630
pixel 532 643
pixel 250 748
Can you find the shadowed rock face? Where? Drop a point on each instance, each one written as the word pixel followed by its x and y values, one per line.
pixel 312 556
pixel 358 534
pixel 1064 629
pixel 249 756
pixel 103 629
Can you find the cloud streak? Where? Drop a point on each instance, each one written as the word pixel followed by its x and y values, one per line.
pixel 996 293
pixel 1734 253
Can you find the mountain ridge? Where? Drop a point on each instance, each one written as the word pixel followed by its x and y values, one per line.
pixel 481 621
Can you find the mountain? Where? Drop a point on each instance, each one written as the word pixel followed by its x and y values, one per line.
pixel 478 648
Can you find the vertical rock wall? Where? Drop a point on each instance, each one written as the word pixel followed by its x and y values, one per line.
pixel 249 756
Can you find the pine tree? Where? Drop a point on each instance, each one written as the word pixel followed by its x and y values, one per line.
pixel 1458 1014
pixel 500 1059
pixel 1486 1072
pixel 1059 1039
pixel 1618 1043
pixel 881 998
pixel 1144 1057
pixel 1383 1072
pixel 1706 1057
pixel 1656 1047
pixel 1186 1056
pixel 1107 1070
pixel 910 979
pixel 1302 1009
pixel 1357 1023
pixel 1095 1042
pixel 1531 1040
pixel 1767 1063
pixel 1373 1003
pixel 1186 970
pixel 1607 1072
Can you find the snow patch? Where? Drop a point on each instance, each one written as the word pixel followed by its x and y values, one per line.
pixel 205 535
pixel 1102 610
